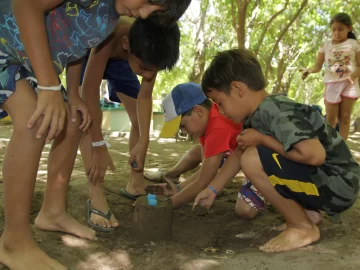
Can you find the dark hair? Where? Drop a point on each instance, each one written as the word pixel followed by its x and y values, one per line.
pixel 174 10
pixel 207 103
pixel 153 44
pixel 344 19
pixel 233 65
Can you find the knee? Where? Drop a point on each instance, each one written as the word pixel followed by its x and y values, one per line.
pixel 72 128
pixel 21 129
pixel 250 161
pixel 345 118
pixel 332 120
pixel 245 211
pixel 195 152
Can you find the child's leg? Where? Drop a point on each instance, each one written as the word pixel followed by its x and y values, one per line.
pixel 300 229
pixel 332 113
pixel 244 210
pixel 346 107
pixel 53 215
pixel 18 249
pixel 314 215
pixel 136 184
pixel 249 202
pixel 189 161
pixel 96 191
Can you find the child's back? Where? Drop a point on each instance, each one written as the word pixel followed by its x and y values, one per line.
pixel 290 122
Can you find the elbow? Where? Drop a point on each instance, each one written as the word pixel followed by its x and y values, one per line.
pixel 317 159
pixel 316 69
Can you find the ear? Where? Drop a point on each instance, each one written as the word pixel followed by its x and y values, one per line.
pixel 199 110
pixel 125 43
pixel 238 88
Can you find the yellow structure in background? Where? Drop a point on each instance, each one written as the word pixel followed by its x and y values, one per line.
pixel 112 117
pixel 7 119
pixel 171 128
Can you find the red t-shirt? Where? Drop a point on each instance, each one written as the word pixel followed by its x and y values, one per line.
pixel 220 135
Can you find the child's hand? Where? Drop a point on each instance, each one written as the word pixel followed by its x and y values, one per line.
pixel 205 198
pixel 137 155
pixel 51 105
pixel 249 137
pixel 101 161
pixel 76 104
pixel 305 73
pixel 351 79
pixel 167 189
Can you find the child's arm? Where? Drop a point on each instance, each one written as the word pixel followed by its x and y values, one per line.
pixel 308 151
pixel 29 16
pixel 94 73
pixel 73 73
pixel 317 67
pixel 229 170
pixel 189 190
pixel 93 76
pixel 144 112
pixel 356 73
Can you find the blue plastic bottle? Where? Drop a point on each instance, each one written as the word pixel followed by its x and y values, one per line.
pixel 152 199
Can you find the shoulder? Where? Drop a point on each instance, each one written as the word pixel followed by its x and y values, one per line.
pixel 326 43
pixel 219 124
pixel 272 104
pixel 283 109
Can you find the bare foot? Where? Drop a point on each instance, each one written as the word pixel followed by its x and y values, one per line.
pixel 99 202
pixel 314 216
pixel 136 189
pixel 27 256
pixel 63 223
pixel 292 238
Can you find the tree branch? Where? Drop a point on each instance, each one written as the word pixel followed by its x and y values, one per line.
pixel 199 61
pixel 267 25
pixel 283 32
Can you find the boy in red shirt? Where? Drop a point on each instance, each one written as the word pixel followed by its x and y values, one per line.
pixel 217 136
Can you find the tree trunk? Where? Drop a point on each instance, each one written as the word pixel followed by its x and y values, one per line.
pixel 200 57
pixel 242 6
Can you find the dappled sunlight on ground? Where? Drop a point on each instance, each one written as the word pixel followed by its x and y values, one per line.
pixel 107 261
pixel 199 242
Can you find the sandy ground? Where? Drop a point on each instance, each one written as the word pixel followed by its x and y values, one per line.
pixel 198 242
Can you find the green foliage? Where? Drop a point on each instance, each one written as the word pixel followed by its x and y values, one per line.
pixel 296 49
pixel 280 55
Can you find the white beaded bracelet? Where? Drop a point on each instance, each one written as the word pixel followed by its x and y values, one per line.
pixel 53 88
pixel 98 144
pixel 101 143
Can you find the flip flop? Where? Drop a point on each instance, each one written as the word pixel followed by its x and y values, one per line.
pixel 128 195
pixel 96 227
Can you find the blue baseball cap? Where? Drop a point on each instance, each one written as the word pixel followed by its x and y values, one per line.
pixel 181 99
